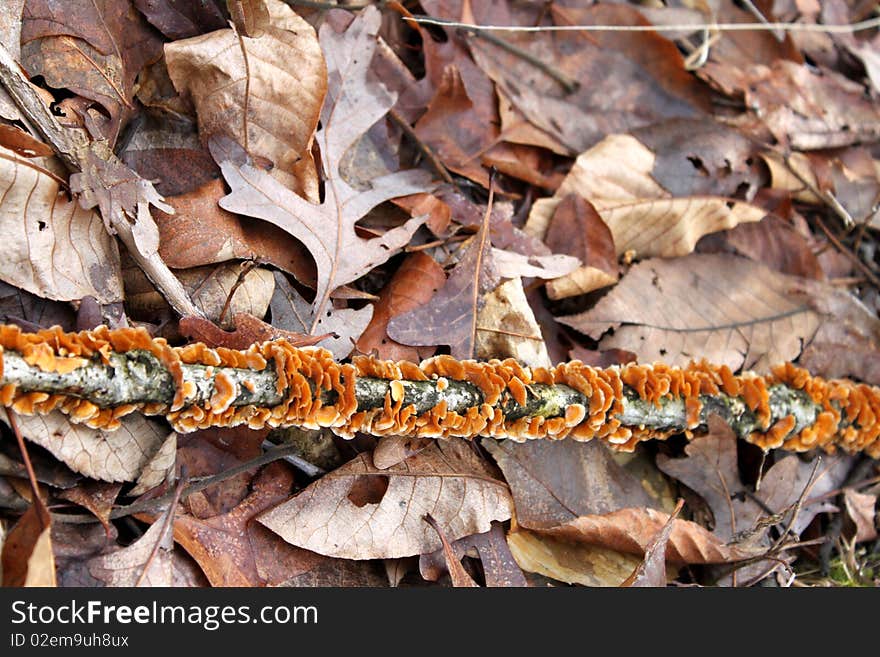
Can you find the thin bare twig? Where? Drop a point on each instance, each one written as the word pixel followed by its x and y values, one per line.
pixel 167 524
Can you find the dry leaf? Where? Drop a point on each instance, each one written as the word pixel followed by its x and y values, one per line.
pixel 200 232
pixel 506 327
pixel 414 283
pixel 361 512
pixel 95 48
pixel 516 265
pixel 291 312
pixel 392 450
pixel 248 330
pixel 27 558
pixel 649 82
pixel 264 93
pixel 578 230
pixel 327 230
pixel 141 563
pixel 728 310
pixel 652 571
pixel 118 455
pixel 158 469
pixel 572 563
pixel 341 573
pixel 234 551
pixel 459 576
pixel 98 497
pixel 179 19
pixel 553 482
pixel 616 176
pixel 53 248
pixel 498 565
pixel 450 317
pixel 861 508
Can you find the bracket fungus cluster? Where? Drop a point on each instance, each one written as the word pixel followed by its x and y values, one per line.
pixel 99 376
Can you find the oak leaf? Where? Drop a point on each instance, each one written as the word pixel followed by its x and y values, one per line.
pixel 360 512
pixel 354 104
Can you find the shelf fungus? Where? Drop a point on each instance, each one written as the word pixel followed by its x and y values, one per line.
pixel 99 376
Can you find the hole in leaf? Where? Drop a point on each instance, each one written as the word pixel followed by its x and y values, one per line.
pixel 368 489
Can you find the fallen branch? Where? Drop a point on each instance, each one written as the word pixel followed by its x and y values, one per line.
pixel 99 376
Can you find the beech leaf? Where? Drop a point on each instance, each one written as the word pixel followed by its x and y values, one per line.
pixel 52 247
pixel 726 309
pixel 354 104
pixel 360 512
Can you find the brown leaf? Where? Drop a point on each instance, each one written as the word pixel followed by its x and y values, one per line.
pixel 414 283
pixel 98 497
pixel 498 565
pixel 146 562
pixel 723 308
pixel 95 48
pixel 22 144
pixel 711 469
pixel 179 19
pixel 554 482
pixel 291 312
pixel 648 84
pixel 392 450
pixel 28 310
pixel 27 558
pixel 617 177
pixel 632 530
pixel 106 455
pixel 578 230
pixel 234 551
pixel 159 469
pixel 248 330
pixel 341 573
pixel 337 516
pixel 457 573
pixel 54 248
pixel 327 230
pixel 572 563
pixel 860 507
pixel 807 107
pixel 263 92
pixel 772 242
pixel 200 232
pixel 506 327
pixel 652 571
pixel 450 317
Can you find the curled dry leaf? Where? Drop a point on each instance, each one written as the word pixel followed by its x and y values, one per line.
pixel 726 309
pixel 414 283
pixel 158 469
pixel 141 563
pixel 572 563
pixel 106 455
pixel 460 577
pixel 652 571
pixel 248 330
pixel 578 230
pixel 617 177
pixel 263 92
pixel 95 48
pixel 361 512
pixel 53 248
pixel 96 496
pixel 861 508
pixel 506 327
pixel 27 557
pixel 328 230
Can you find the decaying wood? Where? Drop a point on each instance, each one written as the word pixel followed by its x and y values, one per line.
pixel 99 376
